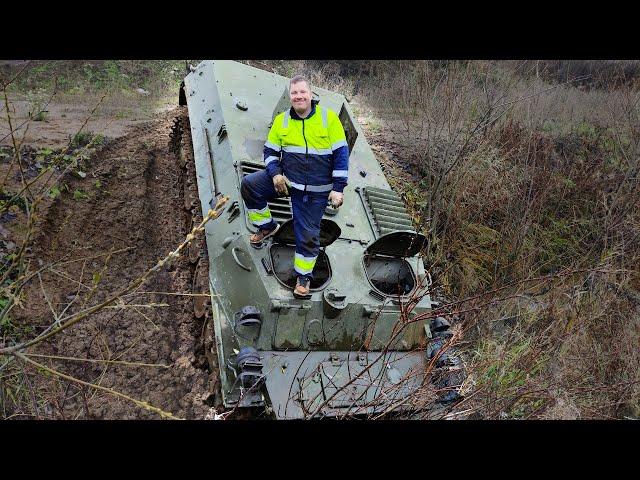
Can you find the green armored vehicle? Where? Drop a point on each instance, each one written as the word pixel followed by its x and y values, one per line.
pixel 358 345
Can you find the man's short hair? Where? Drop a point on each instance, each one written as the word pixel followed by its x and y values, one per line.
pixel 299 78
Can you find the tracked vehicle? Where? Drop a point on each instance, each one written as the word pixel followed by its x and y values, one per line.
pixel 358 345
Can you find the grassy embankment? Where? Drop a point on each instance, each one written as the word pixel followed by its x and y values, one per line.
pixel 524 176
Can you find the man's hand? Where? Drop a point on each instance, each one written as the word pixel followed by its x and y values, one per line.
pixel 336 198
pixel 280 184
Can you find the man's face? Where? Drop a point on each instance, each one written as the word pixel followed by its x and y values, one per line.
pixel 300 96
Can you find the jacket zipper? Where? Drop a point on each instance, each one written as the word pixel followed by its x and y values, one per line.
pixel 306 159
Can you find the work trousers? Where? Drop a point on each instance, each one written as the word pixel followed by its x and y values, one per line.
pixel 308 207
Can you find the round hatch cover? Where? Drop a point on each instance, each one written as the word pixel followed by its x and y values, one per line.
pixel 404 243
pixel 329 232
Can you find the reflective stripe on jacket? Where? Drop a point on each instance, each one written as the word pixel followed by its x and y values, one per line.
pixel 311 152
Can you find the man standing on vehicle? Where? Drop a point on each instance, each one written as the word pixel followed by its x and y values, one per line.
pixel 307 157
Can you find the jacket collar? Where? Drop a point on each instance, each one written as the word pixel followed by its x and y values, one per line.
pixel 295 116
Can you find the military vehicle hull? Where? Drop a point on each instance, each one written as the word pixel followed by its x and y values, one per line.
pixel 357 345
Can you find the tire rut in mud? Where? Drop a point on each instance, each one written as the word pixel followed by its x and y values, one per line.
pixel 138 186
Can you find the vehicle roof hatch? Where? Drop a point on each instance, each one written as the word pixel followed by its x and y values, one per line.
pixel 329 232
pixel 397 244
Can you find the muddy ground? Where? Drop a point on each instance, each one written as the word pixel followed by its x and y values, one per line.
pixel 64 115
pixel 135 209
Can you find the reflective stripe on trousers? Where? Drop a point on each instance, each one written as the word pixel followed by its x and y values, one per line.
pixel 259 216
pixel 304 265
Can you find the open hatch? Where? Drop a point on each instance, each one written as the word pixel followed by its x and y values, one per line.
pixel 384 262
pixel 283 248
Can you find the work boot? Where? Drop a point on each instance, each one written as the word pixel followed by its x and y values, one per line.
pixel 262 235
pixel 302 288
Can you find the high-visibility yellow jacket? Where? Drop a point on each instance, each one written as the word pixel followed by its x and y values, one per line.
pixel 311 152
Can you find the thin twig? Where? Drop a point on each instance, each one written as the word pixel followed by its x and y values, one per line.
pixel 75 318
pixel 110 391
pixel 97 360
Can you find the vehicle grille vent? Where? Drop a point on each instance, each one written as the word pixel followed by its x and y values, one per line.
pixel 280 207
pixel 386 211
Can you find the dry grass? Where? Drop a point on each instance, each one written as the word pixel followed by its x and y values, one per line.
pixel 514 176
